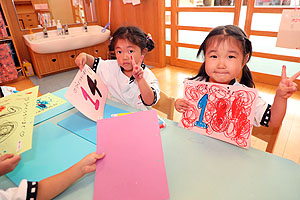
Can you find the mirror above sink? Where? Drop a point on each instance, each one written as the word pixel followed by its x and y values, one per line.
pixel 38 13
pixel 76 39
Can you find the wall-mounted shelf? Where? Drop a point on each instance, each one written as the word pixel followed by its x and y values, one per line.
pixel 22 2
pixel 5 39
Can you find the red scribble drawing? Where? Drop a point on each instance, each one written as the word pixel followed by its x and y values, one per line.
pixel 2 108
pixel 223 112
pixel 241 109
pixel 86 96
pixel 193 93
pixel 189 117
pixel 219 121
pixel 295 20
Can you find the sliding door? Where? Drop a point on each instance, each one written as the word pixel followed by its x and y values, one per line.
pixel 187 22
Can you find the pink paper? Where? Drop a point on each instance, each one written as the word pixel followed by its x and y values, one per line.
pixel 88 94
pixel 224 112
pixel 289 30
pixel 133 167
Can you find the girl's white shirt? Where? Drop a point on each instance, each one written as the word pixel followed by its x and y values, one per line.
pixel 15 193
pixel 119 88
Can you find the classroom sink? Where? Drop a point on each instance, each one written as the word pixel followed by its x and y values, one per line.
pixel 76 39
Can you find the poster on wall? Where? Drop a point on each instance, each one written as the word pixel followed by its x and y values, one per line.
pixel 224 112
pixel 88 93
pixel 17 113
pixel 289 30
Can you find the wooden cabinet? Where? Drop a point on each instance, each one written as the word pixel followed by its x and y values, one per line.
pixel 28 20
pixel 27 14
pixel 67 59
pixel 46 64
pixel 93 50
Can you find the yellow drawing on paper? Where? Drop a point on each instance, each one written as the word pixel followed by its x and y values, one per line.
pixel 47 102
pixel 17 113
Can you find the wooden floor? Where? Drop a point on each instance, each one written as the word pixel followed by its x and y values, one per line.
pixel 171 81
pixel 288 143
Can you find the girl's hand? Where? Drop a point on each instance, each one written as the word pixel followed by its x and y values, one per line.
pixel 182 105
pixel 8 163
pixel 81 60
pixel 137 70
pixel 88 163
pixel 287 87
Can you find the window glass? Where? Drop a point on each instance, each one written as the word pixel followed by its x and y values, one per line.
pixel 168 3
pixel 266 21
pixel 168 34
pixel 289 3
pixel 271 66
pixel 268 45
pixel 204 19
pixel 168 17
pixel 191 37
pixel 189 54
pixel 201 3
pixel 168 50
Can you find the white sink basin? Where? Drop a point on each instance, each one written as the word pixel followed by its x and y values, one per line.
pixel 76 39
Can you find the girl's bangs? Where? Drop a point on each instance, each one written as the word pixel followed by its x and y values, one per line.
pixel 218 39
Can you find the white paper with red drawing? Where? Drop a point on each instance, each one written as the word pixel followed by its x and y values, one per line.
pixel 289 30
pixel 88 94
pixel 224 112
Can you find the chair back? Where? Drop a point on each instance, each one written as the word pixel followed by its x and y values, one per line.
pixel 165 105
pixel 267 134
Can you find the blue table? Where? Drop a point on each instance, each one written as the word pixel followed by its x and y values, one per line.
pixel 199 167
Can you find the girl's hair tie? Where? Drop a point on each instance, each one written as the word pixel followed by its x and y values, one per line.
pixel 149 37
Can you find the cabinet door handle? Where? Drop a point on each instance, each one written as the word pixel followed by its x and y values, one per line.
pixel 96 51
pixel 73 56
pixel 53 60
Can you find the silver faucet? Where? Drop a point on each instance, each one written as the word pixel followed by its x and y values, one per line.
pixel 66 29
pixel 45 32
pixel 85 27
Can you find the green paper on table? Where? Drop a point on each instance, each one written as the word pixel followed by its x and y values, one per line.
pixel 54 111
pixel 47 102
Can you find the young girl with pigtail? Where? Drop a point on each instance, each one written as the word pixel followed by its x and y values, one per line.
pixel 127 78
pixel 226 51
